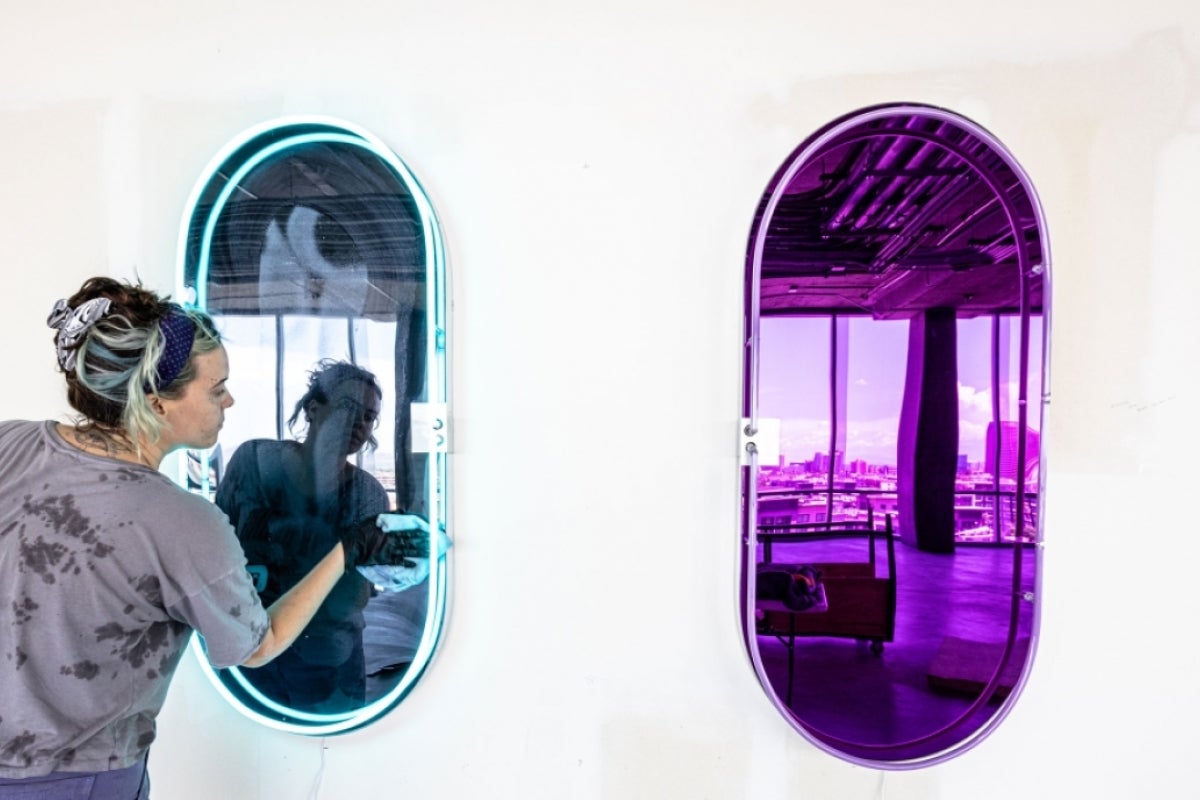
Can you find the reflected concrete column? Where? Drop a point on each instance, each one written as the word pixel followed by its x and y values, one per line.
pixel 927 442
pixel 411 488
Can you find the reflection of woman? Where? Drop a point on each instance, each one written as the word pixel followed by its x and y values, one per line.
pixel 289 501
pixel 107 566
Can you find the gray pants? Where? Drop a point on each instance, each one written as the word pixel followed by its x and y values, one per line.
pixel 131 783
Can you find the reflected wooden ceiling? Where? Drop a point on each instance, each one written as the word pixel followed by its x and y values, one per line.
pixel 897 216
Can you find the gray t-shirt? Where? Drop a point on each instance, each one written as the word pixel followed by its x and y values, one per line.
pixel 105 569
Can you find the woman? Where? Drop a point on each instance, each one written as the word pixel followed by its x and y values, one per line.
pixel 288 500
pixel 106 567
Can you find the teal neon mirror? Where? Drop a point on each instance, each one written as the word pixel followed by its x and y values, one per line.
pixel 321 260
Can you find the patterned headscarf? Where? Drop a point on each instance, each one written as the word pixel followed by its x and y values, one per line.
pixel 72 324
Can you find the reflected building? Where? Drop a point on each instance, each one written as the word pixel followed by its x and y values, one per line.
pixel 1003 463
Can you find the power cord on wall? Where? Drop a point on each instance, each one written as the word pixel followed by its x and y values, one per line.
pixel 316 789
pixel 879 793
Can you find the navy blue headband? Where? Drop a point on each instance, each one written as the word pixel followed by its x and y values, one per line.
pixel 178 332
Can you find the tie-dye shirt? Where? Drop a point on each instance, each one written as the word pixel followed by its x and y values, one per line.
pixel 105 569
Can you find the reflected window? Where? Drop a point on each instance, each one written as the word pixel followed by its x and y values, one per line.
pixel 898 290
pixel 838 424
pixel 988 398
pixel 320 259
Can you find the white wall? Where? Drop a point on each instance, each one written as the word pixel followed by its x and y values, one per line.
pixel 596 167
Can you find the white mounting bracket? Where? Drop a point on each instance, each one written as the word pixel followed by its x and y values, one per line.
pixel 430 428
pixel 763 440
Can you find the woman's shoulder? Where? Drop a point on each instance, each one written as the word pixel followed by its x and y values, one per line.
pixel 261 451
pixel 371 495
pixel 361 476
pixel 21 440
pixel 24 428
pixel 261 446
pixel 171 501
pixel 192 538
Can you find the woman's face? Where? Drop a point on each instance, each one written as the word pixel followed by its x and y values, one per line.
pixel 195 417
pixel 353 408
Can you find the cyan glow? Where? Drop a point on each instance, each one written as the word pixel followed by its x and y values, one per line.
pixel 228 169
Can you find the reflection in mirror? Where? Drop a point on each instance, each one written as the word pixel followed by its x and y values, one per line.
pixel 318 256
pixel 896 328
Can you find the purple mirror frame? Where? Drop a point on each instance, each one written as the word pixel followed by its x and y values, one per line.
pixel 838 133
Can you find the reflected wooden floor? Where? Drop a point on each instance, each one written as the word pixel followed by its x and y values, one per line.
pixel 844 690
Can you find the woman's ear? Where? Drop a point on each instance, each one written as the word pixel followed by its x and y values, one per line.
pixel 156 405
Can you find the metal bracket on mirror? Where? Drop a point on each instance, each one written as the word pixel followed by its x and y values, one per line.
pixel 430 428
pixel 762 439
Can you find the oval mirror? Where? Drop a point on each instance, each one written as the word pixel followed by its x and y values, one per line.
pixel 320 258
pixel 897 306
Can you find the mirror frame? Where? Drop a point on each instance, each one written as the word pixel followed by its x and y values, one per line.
pixel 759 436
pixel 245 152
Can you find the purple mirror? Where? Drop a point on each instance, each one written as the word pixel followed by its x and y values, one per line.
pixel 897 307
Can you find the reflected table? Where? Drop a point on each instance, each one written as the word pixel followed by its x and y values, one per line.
pixel 774 618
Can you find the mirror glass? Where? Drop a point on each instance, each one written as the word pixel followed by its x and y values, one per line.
pixel 897 308
pixel 320 259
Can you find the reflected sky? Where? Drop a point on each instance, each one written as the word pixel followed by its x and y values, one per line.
pixel 794 383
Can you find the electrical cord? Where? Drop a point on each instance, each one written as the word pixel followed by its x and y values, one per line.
pixel 316 788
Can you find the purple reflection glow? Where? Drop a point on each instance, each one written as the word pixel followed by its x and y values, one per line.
pixel 891 215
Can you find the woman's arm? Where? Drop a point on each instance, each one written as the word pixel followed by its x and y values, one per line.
pixel 291 613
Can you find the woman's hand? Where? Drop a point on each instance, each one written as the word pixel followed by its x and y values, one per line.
pixel 369 543
pixel 395 523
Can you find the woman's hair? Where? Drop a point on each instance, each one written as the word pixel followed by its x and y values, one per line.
pixel 323 380
pixel 129 353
